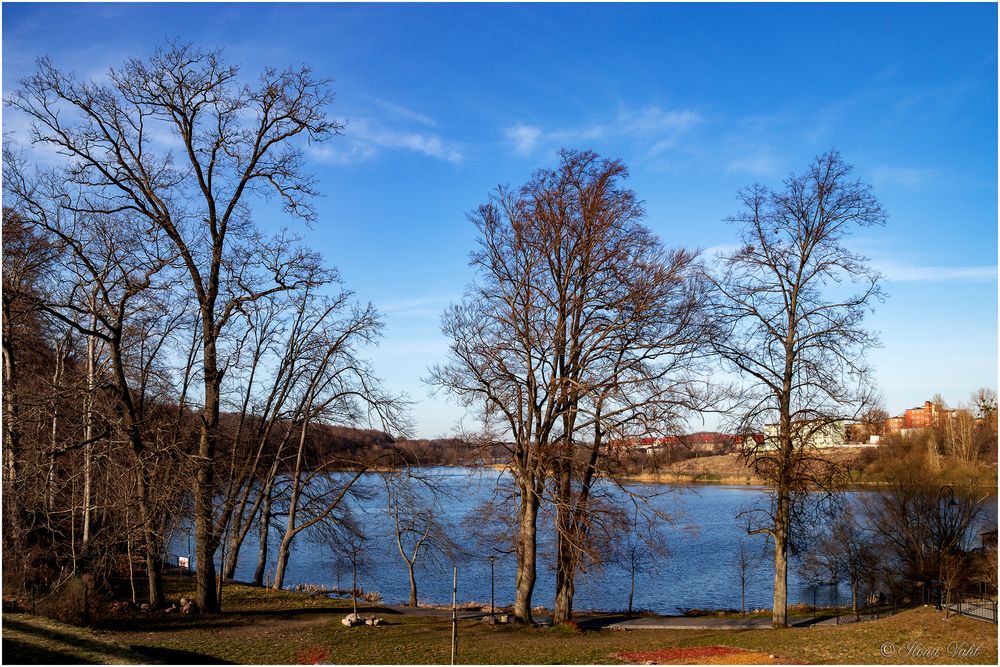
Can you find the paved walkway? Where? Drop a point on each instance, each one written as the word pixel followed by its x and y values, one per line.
pixel 694 623
pixel 606 621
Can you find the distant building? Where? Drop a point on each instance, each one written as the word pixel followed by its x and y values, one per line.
pixel 894 424
pixel 819 435
pixel 928 415
pixel 699 443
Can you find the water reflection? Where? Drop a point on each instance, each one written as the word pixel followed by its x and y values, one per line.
pixel 699 572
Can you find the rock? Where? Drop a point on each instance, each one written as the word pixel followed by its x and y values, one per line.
pixel 144 606
pixel 352 619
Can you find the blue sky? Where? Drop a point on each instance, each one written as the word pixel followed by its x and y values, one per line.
pixel 443 102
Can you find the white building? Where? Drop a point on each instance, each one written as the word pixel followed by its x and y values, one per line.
pixel 814 433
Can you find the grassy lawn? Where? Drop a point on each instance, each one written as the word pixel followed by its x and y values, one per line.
pixel 36 640
pixel 285 628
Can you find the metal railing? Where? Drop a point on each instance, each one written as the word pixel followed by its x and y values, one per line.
pixel 982 609
pixel 865 615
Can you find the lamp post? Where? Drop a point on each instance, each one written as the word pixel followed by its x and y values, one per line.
pixel 492 559
pixel 945 491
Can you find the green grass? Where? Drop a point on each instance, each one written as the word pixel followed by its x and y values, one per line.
pixel 269 627
pixel 36 640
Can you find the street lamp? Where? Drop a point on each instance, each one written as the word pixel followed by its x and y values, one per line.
pixel 492 559
pixel 948 492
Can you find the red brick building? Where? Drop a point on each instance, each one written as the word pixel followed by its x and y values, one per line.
pixel 926 416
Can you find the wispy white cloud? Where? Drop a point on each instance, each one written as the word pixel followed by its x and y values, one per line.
pixel 429 144
pixel 905 177
pixel 523 138
pixel 404 112
pixel 653 128
pixel 364 140
pixel 761 165
pixel 902 272
pixel 655 122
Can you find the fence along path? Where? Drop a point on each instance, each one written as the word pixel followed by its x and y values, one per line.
pixel 978 608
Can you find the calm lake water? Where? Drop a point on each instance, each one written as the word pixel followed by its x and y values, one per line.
pixel 699 570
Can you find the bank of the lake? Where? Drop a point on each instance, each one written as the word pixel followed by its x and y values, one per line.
pixel 864 463
pixel 268 627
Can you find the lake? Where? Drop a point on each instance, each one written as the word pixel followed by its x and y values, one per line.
pixel 699 570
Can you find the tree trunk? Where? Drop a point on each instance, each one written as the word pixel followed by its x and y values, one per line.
pixel 284 549
pixel 11 433
pixel 526 553
pixel 265 526
pixel 88 433
pixel 631 592
pixel 413 586
pixel 779 611
pixel 233 552
pixel 565 539
pixel 565 569
pixel 204 548
pixel 154 564
pixel 204 483
pixel 50 478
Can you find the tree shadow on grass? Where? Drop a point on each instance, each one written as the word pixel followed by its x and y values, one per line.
pixel 174 656
pixel 173 622
pixel 364 611
pixel 24 651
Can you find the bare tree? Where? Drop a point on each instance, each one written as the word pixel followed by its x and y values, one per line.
pixel 414 504
pixel 642 550
pixel 582 328
pixel 237 142
pixel 849 550
pixel 501 363
pixel 338 387
pixel 960 435
pixel 921 515
pixel 954 574
pixel 26 257
pixel 111 284
pixel 789 326
pixel 744 560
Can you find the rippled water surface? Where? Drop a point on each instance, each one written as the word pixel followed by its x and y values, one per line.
pixel 699 570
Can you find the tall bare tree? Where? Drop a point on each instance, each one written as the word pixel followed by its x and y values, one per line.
pixel 237 141
pixel 788 307
pixel 501 363
pixel 582 326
